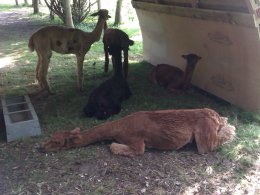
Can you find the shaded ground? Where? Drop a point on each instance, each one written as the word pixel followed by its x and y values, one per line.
pixel 94 170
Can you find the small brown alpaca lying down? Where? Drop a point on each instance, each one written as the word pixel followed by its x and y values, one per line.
pixel 164 130
pixel 173 78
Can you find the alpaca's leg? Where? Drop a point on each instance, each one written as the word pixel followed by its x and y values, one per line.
pixel 125 65
pixel 134 149
pixel 106 58
pixel 113 62
pixel 152 76
pixel 43 71
pixel 174 86
pixel 37 68
pixel 80 60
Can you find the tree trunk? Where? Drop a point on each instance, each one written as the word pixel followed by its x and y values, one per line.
pixel 98 4
pixel 51 11
pixel 26 2
pixel 68 15
pixel 118 13
pixel 16 2
pixel 35 6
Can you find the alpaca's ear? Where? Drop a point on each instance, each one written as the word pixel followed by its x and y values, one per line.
pixel 75 131
pixel 94 14
pixel 184 56
pixel 75 139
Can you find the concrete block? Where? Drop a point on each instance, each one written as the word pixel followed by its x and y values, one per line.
pixel 20 117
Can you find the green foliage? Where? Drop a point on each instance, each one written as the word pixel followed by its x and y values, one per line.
pixel 80 9
pixel 6 7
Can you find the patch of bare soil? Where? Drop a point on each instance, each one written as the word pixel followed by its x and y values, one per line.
pixel 15 23
pixel 94 170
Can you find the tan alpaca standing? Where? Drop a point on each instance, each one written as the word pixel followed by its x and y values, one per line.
pixel 173 78
pixel 164 129
pixel 65 41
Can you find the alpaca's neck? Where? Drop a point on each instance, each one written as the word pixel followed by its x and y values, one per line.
pixel 107 131
pixel 105 26
pixel 188 73
pixel 96 33
pixel 117 58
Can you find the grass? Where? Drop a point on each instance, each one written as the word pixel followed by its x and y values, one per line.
pixel 4 7
pixel 62 79
pixel 64 111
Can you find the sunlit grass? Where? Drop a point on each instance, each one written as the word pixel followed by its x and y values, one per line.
pixel 6 7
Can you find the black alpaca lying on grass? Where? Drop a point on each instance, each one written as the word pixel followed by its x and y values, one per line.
pixel 105 100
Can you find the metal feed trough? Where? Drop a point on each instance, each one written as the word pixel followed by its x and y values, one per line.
pixel 20 117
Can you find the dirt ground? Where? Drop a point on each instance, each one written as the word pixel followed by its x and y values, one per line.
pixel 94 170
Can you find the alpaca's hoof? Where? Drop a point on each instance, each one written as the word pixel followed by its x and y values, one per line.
pixel 40 94
pixel 50 92
pixel 81 90
pixel 47 90
pixel 106 74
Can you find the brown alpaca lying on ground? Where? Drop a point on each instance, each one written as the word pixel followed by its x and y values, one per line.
pixel 118 38
pixel 165 130
pixel 65 41
pixel 173 78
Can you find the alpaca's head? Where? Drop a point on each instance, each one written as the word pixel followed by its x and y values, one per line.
pixel 192 59
pixel 105 113
pixel 107 108
pixel 125 43
pixel 226 132
pixel 61 140
pixel 102 14
pixel 131 42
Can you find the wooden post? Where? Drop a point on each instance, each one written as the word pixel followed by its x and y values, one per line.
pixel 68 15
pixel 254 8
pixel 35 6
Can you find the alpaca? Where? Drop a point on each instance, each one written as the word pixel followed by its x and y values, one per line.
pixel 105 100
pixel 164 130
pixel 65 41
pixel 173 78
pixel 119 38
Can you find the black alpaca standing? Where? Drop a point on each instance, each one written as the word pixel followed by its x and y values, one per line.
pixel 105 100
pixel 120 38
